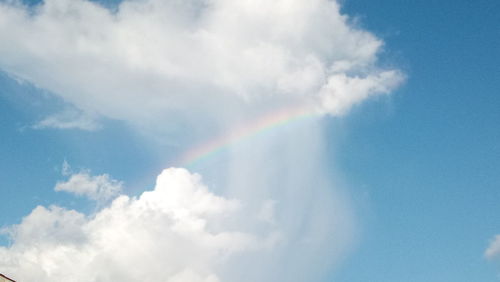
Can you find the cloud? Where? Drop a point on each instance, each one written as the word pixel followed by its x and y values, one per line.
pixel 174 233
pixel 68 119
pixel 179 232
pixel 342 91
pixel 280 221
pixel 161 64
pixel 153 59
pixel 493 249
pixel 98 188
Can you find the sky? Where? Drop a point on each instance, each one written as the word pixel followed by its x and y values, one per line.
pixel 213 141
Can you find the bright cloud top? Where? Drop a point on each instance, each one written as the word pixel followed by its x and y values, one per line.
pixel 152 58
pixel 175 232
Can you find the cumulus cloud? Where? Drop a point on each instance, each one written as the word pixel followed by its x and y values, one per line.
pixel 150 59
pixel 180 232
pixel 99 187
pixel 167 234
pixel 493 249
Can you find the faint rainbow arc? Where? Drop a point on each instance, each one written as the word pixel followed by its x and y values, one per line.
pixel 242 132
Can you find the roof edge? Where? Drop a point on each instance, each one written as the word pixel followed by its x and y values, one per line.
pixel 1 275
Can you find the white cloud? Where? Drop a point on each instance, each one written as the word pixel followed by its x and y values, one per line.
pixel 155 61
pixel 151 59
pixel 493 249
pixel 278 220
pixel 99 188
pixel 68 119
pixel 166 234
pixel 342 91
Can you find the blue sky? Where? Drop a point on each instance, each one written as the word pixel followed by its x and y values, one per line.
pixel 429 160
pixel 420 167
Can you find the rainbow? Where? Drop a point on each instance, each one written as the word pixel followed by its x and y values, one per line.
pixel 242 132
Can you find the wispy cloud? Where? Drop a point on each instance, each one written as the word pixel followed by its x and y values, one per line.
pixel 68 119
pixel 98 188
pixel 493 250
